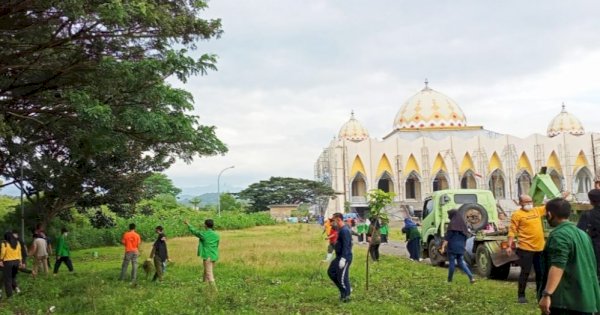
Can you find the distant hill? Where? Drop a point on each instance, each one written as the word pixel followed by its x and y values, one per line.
pixel 205 199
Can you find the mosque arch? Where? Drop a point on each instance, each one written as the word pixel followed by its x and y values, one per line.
pixel 495 163
pixel 357 166
pixel 581 160
pixel 439 164
pixel 412 165
pixel 440 181
pixel 523 182
pixel 582 182
pixel 466 164
pixel 556 178
pixel 554 162
pixel 497 184
pixel 385 182
pixel 468 180
pixel 359 185
pixel 524 163
pixel 412 186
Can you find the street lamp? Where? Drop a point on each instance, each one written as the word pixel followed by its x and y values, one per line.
pixel 219 189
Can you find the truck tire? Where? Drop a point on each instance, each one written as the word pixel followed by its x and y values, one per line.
pixel 435 257
pixel 474 215
pixel 486 268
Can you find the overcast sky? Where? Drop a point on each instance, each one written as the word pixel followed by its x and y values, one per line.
pixel 290 72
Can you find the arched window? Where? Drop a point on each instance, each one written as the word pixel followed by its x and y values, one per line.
pixel 497 184
pixel 359 186
pixel 523 183
pixel 583 181
pixel 385 183
pixel 440 182
pixel 413 186
pixel 556 178
pixel 468 180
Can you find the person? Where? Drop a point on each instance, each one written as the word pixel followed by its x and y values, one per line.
pixel 39 252
pixel 63 253
pixel 159 253
pixel 361 229
pixel 413 239
pixel 384 230
pixel 568 265
pixel 10 261
pixel 339 268
pixel 332 236
pixel 526 226
pixel 208 248
pixel 131 239
pixel 39 230
pixel 374 238
pixel 590 222
pixel 454 244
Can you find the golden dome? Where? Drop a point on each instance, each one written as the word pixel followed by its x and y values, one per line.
pixel 565 123
pixel 353 130
pixel 429 109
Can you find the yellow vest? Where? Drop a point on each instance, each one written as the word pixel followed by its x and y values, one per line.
pixel 7 253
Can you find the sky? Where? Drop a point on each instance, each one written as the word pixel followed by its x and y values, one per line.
pixel 290 72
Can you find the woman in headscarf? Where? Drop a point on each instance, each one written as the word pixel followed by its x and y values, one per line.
pixel 413 239
pixel 10 261
pixel 455 240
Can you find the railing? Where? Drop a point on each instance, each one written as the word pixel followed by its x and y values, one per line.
pixel 358 199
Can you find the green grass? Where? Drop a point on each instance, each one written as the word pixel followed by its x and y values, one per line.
pixel 263 270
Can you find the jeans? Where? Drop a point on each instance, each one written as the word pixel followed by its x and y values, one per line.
pixel 129 256
pixel 414 248
pixel 66 260
pixel 457 259
pixel 10 270
pixel 526 259
pixel 340 277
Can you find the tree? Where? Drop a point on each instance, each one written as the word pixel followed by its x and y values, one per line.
pixel 157 184
pixel 283 190
pixel 84 106
pixel 378 200
pixel 230 203
pixel 195 202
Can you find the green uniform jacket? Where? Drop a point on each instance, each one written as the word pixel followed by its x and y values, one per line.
pixel 362 228
pixel 412 233
pixel 208 246
pixel 62 249
pixel 570 249
pixel 384 229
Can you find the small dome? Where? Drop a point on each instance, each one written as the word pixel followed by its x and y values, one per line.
pixel 565 123
pixel 429 109
pixel 353 130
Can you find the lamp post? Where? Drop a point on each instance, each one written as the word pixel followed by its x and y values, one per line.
pixel 219 189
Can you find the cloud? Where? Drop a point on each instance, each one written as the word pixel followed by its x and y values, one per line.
pixel 290 72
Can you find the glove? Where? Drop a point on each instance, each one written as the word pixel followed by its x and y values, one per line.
pixel 342 263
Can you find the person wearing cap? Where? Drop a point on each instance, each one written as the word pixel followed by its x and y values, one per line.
pixel 526 226
pixel 590 222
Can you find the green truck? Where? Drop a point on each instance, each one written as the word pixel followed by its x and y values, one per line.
pixel 486 249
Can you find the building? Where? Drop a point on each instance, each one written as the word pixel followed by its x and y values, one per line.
pixel 431 147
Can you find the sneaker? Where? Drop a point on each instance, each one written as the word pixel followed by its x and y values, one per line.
pixel 522 300
pixel 346 299
pixel 420 259
pixel 472 281
pixel 17 290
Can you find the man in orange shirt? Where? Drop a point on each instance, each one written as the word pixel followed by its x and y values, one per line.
pixel 526 226
pixel 132 241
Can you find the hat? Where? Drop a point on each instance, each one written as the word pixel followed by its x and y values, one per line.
pixel 594 195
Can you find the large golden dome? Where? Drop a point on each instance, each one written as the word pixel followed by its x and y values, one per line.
pixel 565 122
pixel 353 130
pixel 429 109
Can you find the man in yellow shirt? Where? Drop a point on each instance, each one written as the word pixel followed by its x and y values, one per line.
pixel 526 226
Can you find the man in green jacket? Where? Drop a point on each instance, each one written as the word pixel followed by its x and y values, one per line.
pixel 208 248
pixel 62 252
pixel 569 266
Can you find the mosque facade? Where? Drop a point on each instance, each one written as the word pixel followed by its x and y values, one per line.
pixel 431 147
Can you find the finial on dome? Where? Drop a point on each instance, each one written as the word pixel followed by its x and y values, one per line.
pixel 564 108
pixel 352 114
pixel 426 88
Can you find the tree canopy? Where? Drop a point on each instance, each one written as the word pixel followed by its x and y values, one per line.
pixel 84 107
pixel 284 190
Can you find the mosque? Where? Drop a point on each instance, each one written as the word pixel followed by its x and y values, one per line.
pixel 431 147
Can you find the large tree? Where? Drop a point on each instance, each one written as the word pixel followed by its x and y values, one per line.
pixel 284 190
pixel 85 112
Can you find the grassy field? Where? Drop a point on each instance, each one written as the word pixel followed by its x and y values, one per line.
pixel 263 270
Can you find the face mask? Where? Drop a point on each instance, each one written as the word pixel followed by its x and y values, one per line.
pixel 527 207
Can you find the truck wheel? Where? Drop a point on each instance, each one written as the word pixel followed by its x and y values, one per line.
pixel 435 257
pixel 483 261
pixel 474 215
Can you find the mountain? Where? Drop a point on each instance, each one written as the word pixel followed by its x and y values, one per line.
pixel 205 199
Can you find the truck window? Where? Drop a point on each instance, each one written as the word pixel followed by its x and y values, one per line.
pixel 428 208
pixel 465 198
